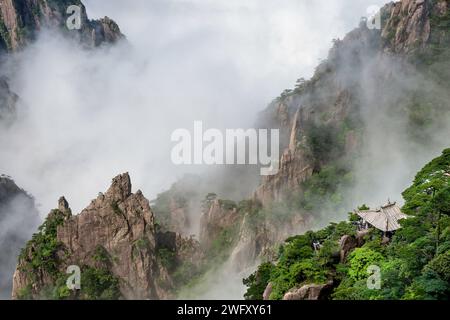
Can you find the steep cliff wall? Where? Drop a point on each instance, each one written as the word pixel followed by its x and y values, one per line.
pixel 355 114
pixel 379 92
pixel 114 237
pixel 21 21
pixel 336 98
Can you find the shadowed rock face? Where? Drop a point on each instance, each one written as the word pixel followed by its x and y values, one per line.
pixel 347 244
pixel 408 26
pixel 335 97
pixel 21 21
pixel 215 220
pixel 18 219
pixel 116 221
pixel 8 102
pixel 121 225
pixel 332 96
pixel 257 239
pixel 119 220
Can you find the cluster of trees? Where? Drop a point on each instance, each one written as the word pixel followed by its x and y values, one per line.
pixel 414 265
pixel 44 254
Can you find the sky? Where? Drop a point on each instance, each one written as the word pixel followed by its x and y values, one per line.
pixel 89 116
pixel 273 40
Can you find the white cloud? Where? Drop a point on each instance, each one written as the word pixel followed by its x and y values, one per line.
pixel 92 115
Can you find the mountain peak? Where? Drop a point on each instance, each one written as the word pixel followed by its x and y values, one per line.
pixel 120 188
pixel 63 205
pixel 22 20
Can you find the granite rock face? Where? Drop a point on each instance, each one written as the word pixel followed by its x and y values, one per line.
pixel 22 20
pixel 347 244
pixel 412 25
pixel 310 292
pixel 119 224
pixel 257 238
pixel 267 291
pixel 333 95
pixel 122 223
pixel 216 219
pixel 116 221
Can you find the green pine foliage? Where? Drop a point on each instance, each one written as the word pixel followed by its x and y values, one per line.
pixel 414 265
pixel 40 252
pixel 99 284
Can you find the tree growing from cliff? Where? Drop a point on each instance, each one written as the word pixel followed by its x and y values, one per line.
pixel 415 264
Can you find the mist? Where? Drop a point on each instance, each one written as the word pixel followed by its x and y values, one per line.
pixel 90 115
pixel 394 150
pixel 86 116
pixel 18 220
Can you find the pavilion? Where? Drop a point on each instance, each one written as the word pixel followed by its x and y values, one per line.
pixel 385 218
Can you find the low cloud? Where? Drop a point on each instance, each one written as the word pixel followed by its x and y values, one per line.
pixel 90 115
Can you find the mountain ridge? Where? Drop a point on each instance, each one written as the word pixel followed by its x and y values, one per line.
pixel 331 126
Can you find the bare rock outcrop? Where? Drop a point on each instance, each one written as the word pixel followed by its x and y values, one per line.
pixel 117 221
pixel 294 169
pixel 257 238
pixel 361 236
pixel 294 166
pixel 310 292
pixel 408 26
pixel 267 292
pixel 220 218
pixel 117 233
pixel 332 96
pixel 346 244
pixel 329 99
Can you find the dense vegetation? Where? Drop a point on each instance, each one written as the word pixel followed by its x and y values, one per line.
pixel 41 251
pixel 44 255
pixel 41 254
pixel 415 264
pixel 99 284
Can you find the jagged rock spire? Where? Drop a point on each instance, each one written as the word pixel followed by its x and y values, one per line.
pixel 120 188
pixel 63 205
pixel 34 15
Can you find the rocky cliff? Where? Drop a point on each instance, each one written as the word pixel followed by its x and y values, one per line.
pixel 220 219
pixel 379 95
pixel 327 123
pixel 319 119
pixel 347 263
pixel 22 20
pixel 411 25
pixel 18 220
pixel 115 237
pixel 332 125
pixel 261 232
pixel 334 99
